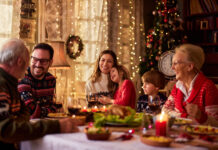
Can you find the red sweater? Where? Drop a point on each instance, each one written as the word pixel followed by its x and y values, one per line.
pixel 125 95
pixel 204 94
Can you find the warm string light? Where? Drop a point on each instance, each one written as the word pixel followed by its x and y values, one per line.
pixel 132 41
pixel 119 46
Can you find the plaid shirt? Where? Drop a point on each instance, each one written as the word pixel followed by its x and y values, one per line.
pixel 38 94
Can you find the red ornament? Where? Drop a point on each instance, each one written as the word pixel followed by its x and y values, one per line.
pixel 165 20
pixel 157 58
pixel 151 63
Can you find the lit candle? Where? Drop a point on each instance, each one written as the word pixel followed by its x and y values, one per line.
pixel 104 109
pixel 73 116
pixel 84 109
pixel 95 109
pixel 161 124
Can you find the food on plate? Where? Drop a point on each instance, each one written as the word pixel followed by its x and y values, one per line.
pixel 122 115
pixel 200 129
pixel 97 133
pixel 182 121
pixel 57 115
pixel 156 140
pixel 183 137
pixel 118 110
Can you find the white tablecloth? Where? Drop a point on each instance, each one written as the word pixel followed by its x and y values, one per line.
pixel 79 141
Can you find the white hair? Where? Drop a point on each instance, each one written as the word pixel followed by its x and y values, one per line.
pixel 11 50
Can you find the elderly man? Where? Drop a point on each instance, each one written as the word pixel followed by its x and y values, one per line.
pixel 14 116
pixel 38 85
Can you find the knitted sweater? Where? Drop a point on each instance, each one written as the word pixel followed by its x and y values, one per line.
pixel 14 116
pixel 38 94
pixel 204 94
pixel 125 95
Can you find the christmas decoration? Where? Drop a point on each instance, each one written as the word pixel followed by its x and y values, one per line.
pixel 165 35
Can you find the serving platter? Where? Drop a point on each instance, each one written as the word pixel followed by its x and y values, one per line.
pixel 182 121
pixel 201 129
pixel 158 141
pixel 57 115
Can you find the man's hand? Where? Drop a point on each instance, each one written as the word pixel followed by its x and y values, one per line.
pixel 193 111
pixel 67 125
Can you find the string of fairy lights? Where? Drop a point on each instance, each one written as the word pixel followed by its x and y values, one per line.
pixel 132 41
pixel 77 27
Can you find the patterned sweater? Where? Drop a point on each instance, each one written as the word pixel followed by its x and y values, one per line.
pixel 142 103
pixel 14 116
pixel 204 94
pixel 38 94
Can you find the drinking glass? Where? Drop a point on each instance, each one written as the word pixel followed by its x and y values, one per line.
pixel 154 104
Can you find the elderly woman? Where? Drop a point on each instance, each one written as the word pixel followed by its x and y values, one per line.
pixel 193 96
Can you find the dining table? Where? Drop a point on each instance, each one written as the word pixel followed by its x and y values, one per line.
pixel 79 141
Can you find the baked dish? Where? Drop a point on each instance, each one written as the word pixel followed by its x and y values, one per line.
pixel 159 141
pixel 201 129
pixel 57 115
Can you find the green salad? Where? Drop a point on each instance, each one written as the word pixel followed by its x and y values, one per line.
pixel 133 119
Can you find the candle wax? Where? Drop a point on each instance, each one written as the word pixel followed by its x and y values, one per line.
pixel 161 128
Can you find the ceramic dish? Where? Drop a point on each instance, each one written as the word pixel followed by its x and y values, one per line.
pixel 158 141
pixel 57 115
pixel 201 129
pixel 101 136
pixel 182 121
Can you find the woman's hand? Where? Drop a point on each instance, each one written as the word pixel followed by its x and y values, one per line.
pixel 193 111
pixel 105 100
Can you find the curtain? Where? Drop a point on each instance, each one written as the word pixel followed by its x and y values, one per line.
pixel 10 19
pixel 84 18
pixel 126 34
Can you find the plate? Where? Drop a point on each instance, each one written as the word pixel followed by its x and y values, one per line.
pixel 201 129
pixel 182 121
pixel 158 141
pixel 115 124
pixel 57 115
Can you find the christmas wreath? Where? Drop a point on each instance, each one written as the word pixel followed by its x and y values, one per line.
pixel 74 46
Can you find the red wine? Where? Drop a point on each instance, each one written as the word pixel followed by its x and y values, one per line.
pixel 58 106
pixel 73 110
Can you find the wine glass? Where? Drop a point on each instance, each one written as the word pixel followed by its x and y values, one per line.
pixel 72 106
pixel 154 104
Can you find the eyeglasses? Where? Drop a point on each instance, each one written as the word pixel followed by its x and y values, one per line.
pixel 179 62
pixel 41 61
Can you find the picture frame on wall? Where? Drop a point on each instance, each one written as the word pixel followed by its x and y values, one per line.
pixel 28 30
pixel 204 25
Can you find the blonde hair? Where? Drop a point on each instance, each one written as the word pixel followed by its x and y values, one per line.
pixel 195 54
pixel 155 77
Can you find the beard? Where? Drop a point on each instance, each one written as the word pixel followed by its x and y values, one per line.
pixel 38 72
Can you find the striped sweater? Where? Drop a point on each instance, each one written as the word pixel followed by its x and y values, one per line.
pixel 38 94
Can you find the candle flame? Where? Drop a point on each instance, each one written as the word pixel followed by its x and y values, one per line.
pixel 74 116
pixel 84 107
pixel 95 107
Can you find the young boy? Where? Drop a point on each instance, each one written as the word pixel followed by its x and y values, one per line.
pixel 152 81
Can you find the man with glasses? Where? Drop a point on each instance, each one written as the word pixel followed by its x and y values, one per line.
pixel 38 86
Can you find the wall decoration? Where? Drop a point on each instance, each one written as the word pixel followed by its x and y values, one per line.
pixel 74 46
pixel 27 30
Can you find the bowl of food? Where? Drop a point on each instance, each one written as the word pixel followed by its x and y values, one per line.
pixel 159 141
pixel 97 133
